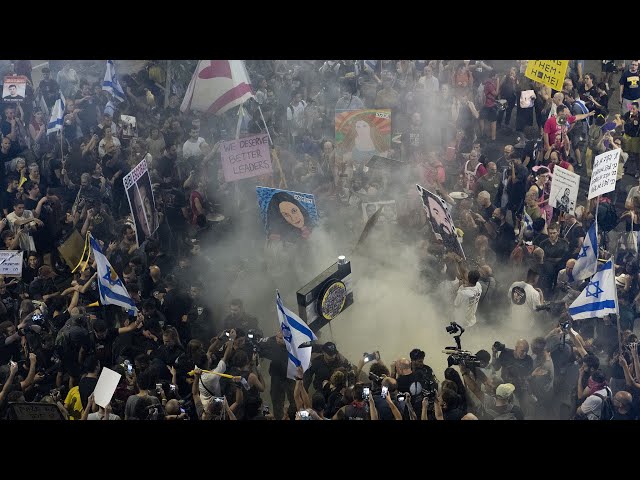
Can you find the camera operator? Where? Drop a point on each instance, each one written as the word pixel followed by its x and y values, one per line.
pixel 418 379
pixel 516 366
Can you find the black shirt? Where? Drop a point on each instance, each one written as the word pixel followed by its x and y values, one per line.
pixel 103 348
pixel 514 370
pixel 86 387
pixel 40 287
pixel 270 349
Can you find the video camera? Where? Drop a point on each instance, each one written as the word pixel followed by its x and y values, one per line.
pixel 458 356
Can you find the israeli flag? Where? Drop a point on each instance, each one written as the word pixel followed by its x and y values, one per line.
pixel 111 84
pixel 295 332
pixel 528 222
pixel 371 64
pixel 587 261
pixel 112 290
pixel 56 121
pixel 599 298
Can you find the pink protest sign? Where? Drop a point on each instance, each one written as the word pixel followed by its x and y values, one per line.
pixel 246 157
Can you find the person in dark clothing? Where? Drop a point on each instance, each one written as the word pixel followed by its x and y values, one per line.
pixel 556 253
pixel 171 348
pixel 238 318
pixel 175 307
pixel 43 287
pixel 516 366
pixel 274 349
pixel 102 338
pixel 323 366
pixel 88 383
pixel 504 241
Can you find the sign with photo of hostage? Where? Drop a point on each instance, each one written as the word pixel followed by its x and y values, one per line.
pixel 388 215
pixel 14 89
pixel 288 216
pixel 361 134
pixel 564 190
pixel 246 157
pixel 129 126
pixel 137 184
pixel 440 220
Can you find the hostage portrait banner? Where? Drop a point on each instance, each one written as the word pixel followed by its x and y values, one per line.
pixel 564 190
pixel 287 215
pixel 441 222
pixel 137 184
pixel 361 134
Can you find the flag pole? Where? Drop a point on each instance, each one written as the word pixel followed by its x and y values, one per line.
pixel 265 124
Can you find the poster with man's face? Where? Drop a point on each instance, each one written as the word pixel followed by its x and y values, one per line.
pixel 137 184
pixel 440 220
pixel 14 89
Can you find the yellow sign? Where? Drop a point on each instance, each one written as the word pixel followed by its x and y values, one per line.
pixel 549 72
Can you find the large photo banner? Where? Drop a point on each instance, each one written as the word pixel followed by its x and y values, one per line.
pixel 137 184
pixel 246 157
pixel 361 134
pixel 287 215
pixel 440 220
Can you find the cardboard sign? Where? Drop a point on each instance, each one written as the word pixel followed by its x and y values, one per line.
pixel 441 221
pixel 290 215
pixel 246 157
pixel 11 262
pixel 106 386
pixel 361 134
pixel 548 72
pixel 564 190
pixel 604 173
pixel 34 411
pixel 14 89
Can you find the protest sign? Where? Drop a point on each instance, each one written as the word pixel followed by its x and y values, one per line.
pixel 287 215
pixel 388 215
pixel 129 126
pixel 440 220
pixel 604 173
pixel 246 157
pixel 11 263
pixel 137 184
pixel 548 72
pixel 14 89
pixel 107 384
pixel 361 134
pixel 564 190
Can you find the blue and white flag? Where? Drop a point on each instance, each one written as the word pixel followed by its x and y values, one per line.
pixel 587 261
pixel 371 64
pixel 112 290
pixel 528 222
pixel 295 332
pixel 111 84
pixel 599 298
pixel 57 115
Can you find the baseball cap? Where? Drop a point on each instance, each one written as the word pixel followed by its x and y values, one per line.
pixel 330 348
pixel 505 390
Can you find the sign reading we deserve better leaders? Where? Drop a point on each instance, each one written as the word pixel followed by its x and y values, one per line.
pixel 549 72
pixel 605 172
pixel 246 157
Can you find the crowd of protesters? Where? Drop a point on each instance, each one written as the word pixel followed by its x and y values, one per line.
pixel 449 121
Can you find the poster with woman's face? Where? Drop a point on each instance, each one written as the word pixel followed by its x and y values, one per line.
pixel 361 134
pixel 287 215
pixel 440 220
pixel 137 184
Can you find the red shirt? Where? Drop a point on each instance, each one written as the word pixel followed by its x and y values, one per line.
pixel 490 94
pixel 551 127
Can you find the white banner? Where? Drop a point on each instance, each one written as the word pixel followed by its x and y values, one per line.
pixel 564 190
pixel 605 171
pixel 11 262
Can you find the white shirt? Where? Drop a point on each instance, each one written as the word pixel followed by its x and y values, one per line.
pixel 592 406
pixel 25 241
pixel 99 416
pixel 192 149
pixel 466 304
pixel 295 113
pixel 431 85
pixel 211 382
pixel 521 317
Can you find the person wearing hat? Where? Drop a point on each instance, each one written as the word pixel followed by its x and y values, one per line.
pixel 323 366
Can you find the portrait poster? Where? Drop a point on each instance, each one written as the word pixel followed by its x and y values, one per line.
pixel 137 184
pixel 564 190
pixel 14 89
pixel 361 134
pixel 129 126
pixel 440 220
pixel 388 215
pixel 287 215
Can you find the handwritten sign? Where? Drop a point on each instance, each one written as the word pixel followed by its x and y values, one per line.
pixel 564 190
pixel 605 171
pixel 245 158
pixel 548 72
pixel 34 411
pixel 11 262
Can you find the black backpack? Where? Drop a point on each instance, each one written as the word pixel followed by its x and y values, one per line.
pixel 606 411
pixel 607 216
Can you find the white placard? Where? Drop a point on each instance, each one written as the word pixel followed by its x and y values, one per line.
pixel 605 171
pixel 11 262
pixel 106 386
pixel 564 190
